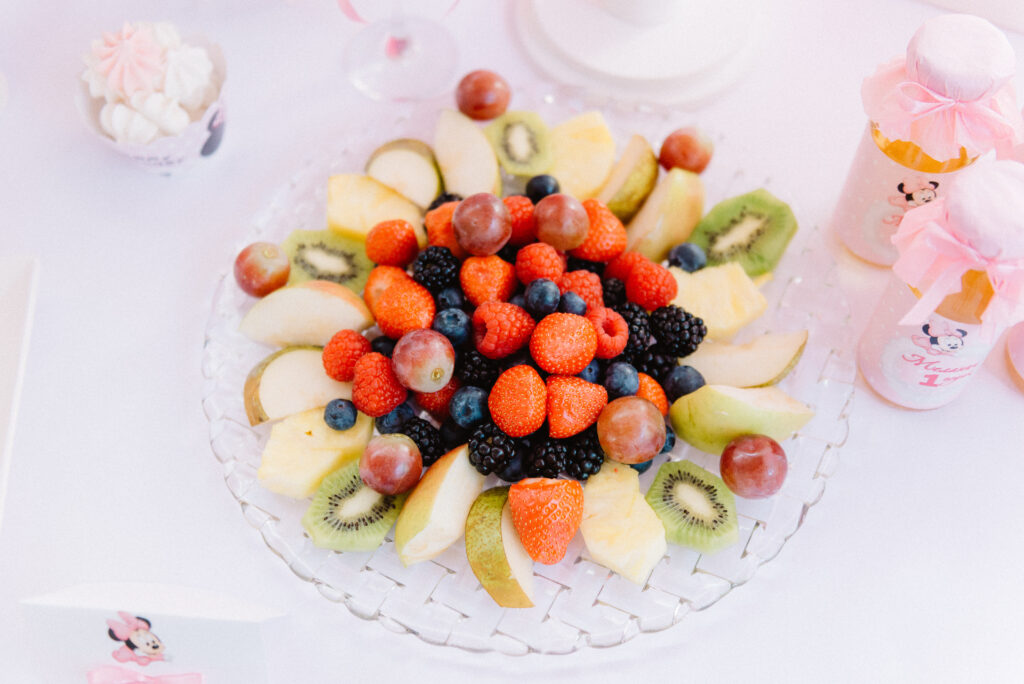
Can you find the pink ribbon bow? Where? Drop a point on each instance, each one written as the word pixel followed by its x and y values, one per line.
pixel 933 259
pixel 111 674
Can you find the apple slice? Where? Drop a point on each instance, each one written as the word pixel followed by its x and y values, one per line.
pixel 631 180
pixel 289 381
pixel 302 450
pixel 714 415
pixel 309 313
pixel 465 156
pixel 765 360
pixel 723 296
pixel 584 152
pixel 671 212
pixel 434 515
pixel 355 204
pixel 409 167
pixel 495 553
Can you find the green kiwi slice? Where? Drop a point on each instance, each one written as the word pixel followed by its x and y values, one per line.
pixel 752 229
pixel 326 255
pixel 521 142
pixel 695 506
pixel 346 515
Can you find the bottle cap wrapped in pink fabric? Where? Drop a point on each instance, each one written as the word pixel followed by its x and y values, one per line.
pixel 952 90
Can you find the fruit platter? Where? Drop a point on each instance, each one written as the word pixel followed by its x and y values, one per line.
pixel 512 371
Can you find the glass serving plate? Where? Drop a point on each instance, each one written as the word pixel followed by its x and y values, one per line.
pixel 578 602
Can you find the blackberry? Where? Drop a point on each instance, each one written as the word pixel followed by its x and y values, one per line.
pixel 473 368
pixel 585 455
pixel 490 449
pixel 516 470
pixel 614 292
pixel 654 361
pixel 577 264
pixel 509 252
pixel 427 438
pixel 547 458
pixel 639 328
pixel 677 331
pixel 444 198
pixel 436 268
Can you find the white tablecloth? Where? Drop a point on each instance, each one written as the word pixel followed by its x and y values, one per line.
pixel 907 570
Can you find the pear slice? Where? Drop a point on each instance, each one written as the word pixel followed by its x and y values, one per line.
pixel 290 380
pixel 669 215
pixel 621 530
pixel 584 152
pixel 723 296
pixel 409 167
pixel 765 360
pixel 309 313
pixel 715 415
pixel 302 450
pixel 434 515
pixel 631 180
pixel 355 204
pixel 465 156
pixel 495 554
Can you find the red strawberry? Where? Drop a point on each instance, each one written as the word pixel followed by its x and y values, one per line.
pixel 524 225
pixel 437 402
pixel 500 328
pixel 379 280
pixel 563 343
pixel 518 401
pixel 573 405
pixel 586 284
pixel 403 307
pixel 392 243
pixel 612 331
pixel 651 285
pixel 653 392
pixel 546 514
pixel 539 260
pixel 375 388
pixel 341 353
pixel 606 238
pixel 487 279
pixel 440 232
pixel 621 266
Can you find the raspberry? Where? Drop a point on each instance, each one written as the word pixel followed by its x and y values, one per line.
pixel 392 243
pixel 487 279
pixel 524 225
pixel 473 368
pixel 375 388
pixel 606 237
pixel 573 405
pixel 427 438
pixel 518 401
pixel 639 327
pixel 612 332
pixel 379 280
pixel 677 331
pixel 539 260
pixel 563 343
pixel 614 292
pixel 403 307
pixel 652 392
pixel 440 232
pixel 437 402
pixel 621 266
pixel 500 328
pixel 341 353
pixel 651 286
pixel 490 449
pixel 586 284
pixel 435 269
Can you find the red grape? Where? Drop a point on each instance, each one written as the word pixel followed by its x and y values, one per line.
pixel 631 430
pixel 482 224
pixel 482 95
pixel 562 221
pixel 391 464
pixel 686 148
pixel 261 268
pixel 753 466
pixel 423 360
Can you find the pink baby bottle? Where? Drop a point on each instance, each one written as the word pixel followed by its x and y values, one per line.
pixel 931 114
pixel 957 283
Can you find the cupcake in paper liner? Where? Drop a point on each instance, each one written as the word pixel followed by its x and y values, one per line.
pixel 154 97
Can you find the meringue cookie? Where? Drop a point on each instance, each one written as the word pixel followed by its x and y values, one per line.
pixel 189 76
pixel 125 125
pixel 163 111
pixel 124 63
pixel 166 33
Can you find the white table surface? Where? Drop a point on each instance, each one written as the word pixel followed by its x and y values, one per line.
pixel 907 570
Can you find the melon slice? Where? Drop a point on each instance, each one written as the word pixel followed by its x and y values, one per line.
pixel 584 153
pixel 724 296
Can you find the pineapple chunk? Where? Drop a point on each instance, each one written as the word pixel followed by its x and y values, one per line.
pixel 584 153
pixel 724 296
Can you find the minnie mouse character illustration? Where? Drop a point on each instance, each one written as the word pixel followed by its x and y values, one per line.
pixel 140 645
pixel 913 193
pixel 946 343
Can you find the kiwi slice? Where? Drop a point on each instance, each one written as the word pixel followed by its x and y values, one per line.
pixel 695 506
pixel 752 229
pixel 521 142
pixel 346 515
pixel 326 255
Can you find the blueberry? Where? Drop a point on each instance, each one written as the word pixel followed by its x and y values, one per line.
pixel 455 325
pixel 682 380
pixel 392 422
pixel 621 380
pixel 539 187
pixel 642 467
pixel 468 406
pixel 688 256
pixel 572 303
pixel 542 297
pixel 592 373
pixel 383 345
pixel 340 414
pixel 452 434
pixel 450 298
pixel 670 439
pixel 518 299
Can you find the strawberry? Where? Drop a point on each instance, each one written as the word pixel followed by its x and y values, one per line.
pixel 403 307
pixel 539 260
pixel 375 387
pixel 586 284
pixel 500 328
pixel 487 279
pixel 518 401
pixel 563 343
pixel 612 331
pixel 621 266
pixel 651 286
pixel 652 392
pixel 524 225
pixel 440 232
pixel 573 405
pixel 392 243
pixel 546 514
pixel 379 280
pixel 606 237
pixel 437 402
pixel 341 353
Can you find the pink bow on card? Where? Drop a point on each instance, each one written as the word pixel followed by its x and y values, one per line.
pixel 111 674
